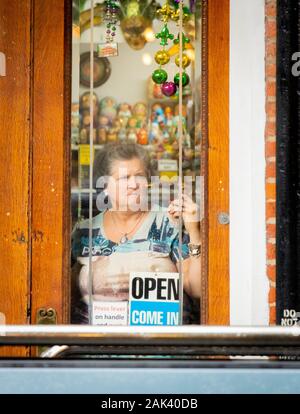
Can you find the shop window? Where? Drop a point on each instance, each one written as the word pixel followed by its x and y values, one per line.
pixel 136 187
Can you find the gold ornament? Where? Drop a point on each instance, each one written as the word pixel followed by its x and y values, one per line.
pixel 162 57
pixel 175 15
pixel 165 13
pixel 185 61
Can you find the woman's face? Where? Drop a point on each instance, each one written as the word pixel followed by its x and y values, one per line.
pixel 127 185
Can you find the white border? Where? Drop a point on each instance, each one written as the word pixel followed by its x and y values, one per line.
pixel 248 280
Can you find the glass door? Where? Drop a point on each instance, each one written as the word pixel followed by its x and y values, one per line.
pixel 136 188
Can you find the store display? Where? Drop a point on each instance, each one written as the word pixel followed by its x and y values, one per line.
pixel 111 18
pixel 160 75
pixel 162 57
pixel 139 111
pixel 152 123
pixel 108 108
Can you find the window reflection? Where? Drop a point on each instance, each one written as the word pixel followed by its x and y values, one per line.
pixel 136 256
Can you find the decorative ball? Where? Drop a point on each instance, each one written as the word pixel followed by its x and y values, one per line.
pixel 185 61
pixel 162 57
pixel 168 88
pixel 159 76
pixel 185 79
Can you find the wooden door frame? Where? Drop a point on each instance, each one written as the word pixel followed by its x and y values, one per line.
pixel 35 242
pixel 215 161
pixel 51 107
pixel 15 176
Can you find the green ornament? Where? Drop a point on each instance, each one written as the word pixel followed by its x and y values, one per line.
pixel 185 79
pixel 159 76
pixel 164 35
pixel 185 40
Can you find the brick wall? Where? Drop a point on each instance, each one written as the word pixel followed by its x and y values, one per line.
pixel 270 150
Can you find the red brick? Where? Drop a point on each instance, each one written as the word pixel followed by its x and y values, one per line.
pixel 270 29
pixel 271 88
pixel 271 9
pixel 271 273
pixel 271 69
pixel 270 129
pixel 271 169
pixel 271 49
pixel 270 191
pixel 271 251
pixel 271 109
pixel 270 149
pixel 270 209
pixel 271 228
pixel 272 295
pixel 272 315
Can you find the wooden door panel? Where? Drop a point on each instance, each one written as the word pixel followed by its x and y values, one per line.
pixel 215 303
pixel 15 164
pixel 51 146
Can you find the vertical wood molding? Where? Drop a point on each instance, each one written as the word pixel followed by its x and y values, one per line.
pixel 217 197
pixel 51 198
pixel 14 165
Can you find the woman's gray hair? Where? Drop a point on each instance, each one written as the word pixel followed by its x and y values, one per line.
pixel 119 152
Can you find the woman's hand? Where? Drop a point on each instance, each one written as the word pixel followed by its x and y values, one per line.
pixel 191 266
pixel 190 215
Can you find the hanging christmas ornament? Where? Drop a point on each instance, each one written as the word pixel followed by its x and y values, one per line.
pixel 185 79
pixel 169 88
pixel 185 40
pixel 110 48
pixel 186 14
pixel 164 35
pixel 165 12
pixel 159 76
pixel 162 57
pixel 185 61
pixel 111 19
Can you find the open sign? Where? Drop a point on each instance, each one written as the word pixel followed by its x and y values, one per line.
pixel 154 298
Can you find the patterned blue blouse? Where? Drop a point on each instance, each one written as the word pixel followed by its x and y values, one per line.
pixel 156 234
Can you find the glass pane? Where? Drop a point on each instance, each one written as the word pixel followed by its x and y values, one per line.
pixel 136 136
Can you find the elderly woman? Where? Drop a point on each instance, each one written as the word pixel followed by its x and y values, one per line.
pixel 129 238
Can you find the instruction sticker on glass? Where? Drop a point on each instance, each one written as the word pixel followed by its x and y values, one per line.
pixel 84 154
pixel 154 298
pixel 110 313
